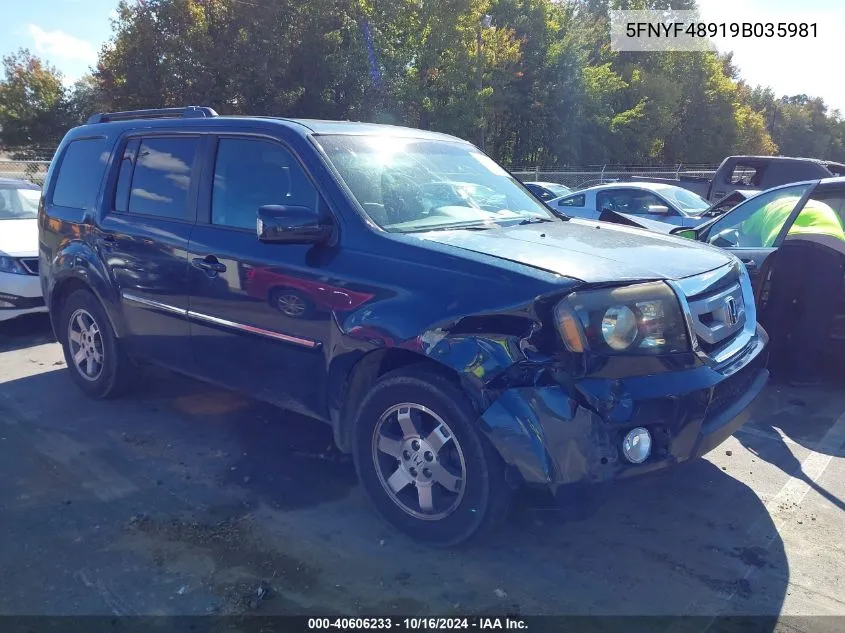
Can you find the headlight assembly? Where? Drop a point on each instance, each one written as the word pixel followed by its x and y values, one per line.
pixel 638 319
pixel 11 265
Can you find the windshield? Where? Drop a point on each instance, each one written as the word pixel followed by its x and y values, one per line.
pixel 407 185
pixel 685 200
pixel 19 204
pixel 558 190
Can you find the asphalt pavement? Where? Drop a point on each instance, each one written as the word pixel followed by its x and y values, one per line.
pixel 185 499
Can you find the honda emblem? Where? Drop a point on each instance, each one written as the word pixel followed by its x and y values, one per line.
pixel 731 311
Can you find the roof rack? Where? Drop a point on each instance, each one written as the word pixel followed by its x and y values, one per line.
pixel 189 112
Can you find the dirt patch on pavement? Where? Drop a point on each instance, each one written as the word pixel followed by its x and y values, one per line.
pixel 226 559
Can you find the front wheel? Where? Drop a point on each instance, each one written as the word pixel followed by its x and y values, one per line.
pixel 421 461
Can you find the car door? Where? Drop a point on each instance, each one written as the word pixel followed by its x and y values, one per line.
pixel 143 241
pixel 261 313
pixel 751 230
pixel 830 200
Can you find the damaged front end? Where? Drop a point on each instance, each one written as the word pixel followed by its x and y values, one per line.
pixel 607 405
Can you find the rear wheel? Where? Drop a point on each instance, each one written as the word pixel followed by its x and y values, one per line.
pixel 423 465
pixel 94 355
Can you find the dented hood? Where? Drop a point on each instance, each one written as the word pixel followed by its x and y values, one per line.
pixel 593 252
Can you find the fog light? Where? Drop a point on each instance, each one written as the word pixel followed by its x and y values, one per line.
pixel 637 445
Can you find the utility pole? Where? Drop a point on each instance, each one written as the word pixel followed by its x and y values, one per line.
pixel 486 22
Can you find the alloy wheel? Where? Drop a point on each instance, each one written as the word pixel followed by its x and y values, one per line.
pixel 419 461
pixel 86 344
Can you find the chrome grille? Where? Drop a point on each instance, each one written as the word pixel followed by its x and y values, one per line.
pixel 720 312
pixel 30 264
pixel 718 316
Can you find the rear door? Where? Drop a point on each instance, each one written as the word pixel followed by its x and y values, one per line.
pixel 143 241
pixel 260 312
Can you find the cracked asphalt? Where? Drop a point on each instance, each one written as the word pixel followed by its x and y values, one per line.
pixel 184 499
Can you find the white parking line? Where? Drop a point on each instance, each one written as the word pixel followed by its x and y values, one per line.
pixel 791 495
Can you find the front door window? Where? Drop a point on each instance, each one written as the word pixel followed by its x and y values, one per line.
pixel 757 222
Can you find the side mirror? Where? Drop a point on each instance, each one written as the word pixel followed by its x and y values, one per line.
pixel 690 234
pixel 291 225
pixel 658 209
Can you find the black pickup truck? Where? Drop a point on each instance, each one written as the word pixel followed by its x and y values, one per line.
pixel 754 172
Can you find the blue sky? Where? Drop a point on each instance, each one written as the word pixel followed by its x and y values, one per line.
pixel 69 34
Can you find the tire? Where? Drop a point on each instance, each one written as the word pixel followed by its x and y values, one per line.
pixel 387 454
pixel 291 303
pixel 84 325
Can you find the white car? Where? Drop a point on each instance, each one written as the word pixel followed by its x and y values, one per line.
pixel 647 200
pixel 20 286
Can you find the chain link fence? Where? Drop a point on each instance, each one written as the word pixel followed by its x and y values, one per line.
pixel 581 177
pixel 31 170
pixel 573 177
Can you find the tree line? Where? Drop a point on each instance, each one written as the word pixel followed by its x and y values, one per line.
pixel 534 82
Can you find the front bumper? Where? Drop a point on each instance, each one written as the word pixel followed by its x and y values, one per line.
pixel 550 439
pixel 19 295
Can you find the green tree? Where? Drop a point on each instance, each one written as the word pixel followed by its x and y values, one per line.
pixel 32 104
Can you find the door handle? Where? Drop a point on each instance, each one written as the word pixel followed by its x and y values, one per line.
pixel 209 264
pixel 749 263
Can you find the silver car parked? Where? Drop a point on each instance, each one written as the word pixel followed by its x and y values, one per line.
pixel 646 200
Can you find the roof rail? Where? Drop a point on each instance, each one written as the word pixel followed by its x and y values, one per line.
pixel 189 112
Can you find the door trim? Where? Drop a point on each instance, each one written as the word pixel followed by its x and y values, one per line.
pixel 207 318
pixel 164 307
pixel 251 329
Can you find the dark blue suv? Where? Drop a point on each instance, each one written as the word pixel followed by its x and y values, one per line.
pixel 402 287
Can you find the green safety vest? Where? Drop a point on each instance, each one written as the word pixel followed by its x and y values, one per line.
pixel 815 218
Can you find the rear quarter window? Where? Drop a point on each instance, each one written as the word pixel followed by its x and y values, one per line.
pixel 81 172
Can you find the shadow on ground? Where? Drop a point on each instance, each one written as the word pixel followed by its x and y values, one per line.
pixel 200 497
pixel 26 331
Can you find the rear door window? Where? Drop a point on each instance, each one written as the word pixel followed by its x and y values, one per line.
pixel 162 177
pixel 81 172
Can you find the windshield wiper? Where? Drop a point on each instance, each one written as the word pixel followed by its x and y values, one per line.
pixel 535 220
pixel 454 227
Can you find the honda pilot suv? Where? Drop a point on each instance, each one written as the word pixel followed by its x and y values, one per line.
pixel 460 343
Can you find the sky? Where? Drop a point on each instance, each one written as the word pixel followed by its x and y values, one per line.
pixel 790 66
pixel 69 34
